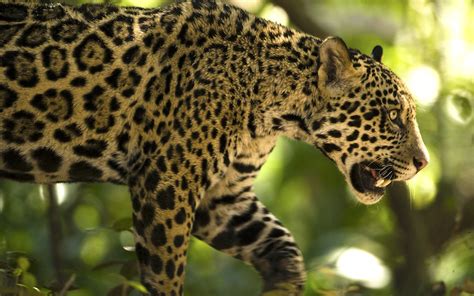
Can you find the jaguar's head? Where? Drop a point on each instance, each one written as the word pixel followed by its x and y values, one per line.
pixel 368 125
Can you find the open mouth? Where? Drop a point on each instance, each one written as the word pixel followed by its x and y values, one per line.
pixel 367 178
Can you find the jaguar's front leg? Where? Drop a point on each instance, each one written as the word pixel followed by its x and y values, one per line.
pixel 239 225
pixel 163 208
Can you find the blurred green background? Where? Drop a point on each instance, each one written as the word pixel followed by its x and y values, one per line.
pixel 418 241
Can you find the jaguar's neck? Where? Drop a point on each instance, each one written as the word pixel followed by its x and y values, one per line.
pixel 276 69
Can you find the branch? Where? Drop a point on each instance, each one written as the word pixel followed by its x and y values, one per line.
pixel 54 232
pixel 411 278
pixel 300 16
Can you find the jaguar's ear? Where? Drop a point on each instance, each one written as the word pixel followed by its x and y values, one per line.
pixel 335 61
pixel 377 53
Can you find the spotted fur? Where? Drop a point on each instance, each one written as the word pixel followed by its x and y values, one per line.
pixel 183 104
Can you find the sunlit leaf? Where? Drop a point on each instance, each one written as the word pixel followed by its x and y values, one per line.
pixel 29 279
pixel 137 286
pixel 17 271
pixel 23 263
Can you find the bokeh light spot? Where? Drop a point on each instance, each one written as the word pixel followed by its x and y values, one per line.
pixel 423 187
pixel 360 265
pixel 61 192
pixel 275 14
pixel 142 3
pixel 249 5
pixel 86 217
pixel 93 248
pixel 424 83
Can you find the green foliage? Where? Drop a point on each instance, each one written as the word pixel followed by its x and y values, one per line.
pixel 305 190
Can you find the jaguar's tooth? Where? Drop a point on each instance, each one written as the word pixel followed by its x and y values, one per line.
pixel 380 183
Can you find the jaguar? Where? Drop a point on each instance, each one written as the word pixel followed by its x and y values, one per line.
pixel 183 104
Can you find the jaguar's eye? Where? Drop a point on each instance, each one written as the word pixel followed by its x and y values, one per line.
pixel 393 114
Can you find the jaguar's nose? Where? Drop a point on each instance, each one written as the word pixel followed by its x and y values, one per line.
pixel 420 162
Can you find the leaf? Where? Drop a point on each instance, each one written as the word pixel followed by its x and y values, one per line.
pixel 28 279
pixel 34 291
pixel 122 224
pixel 23 263
pixel 17 271
pixel 137 286
pixel 126 288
